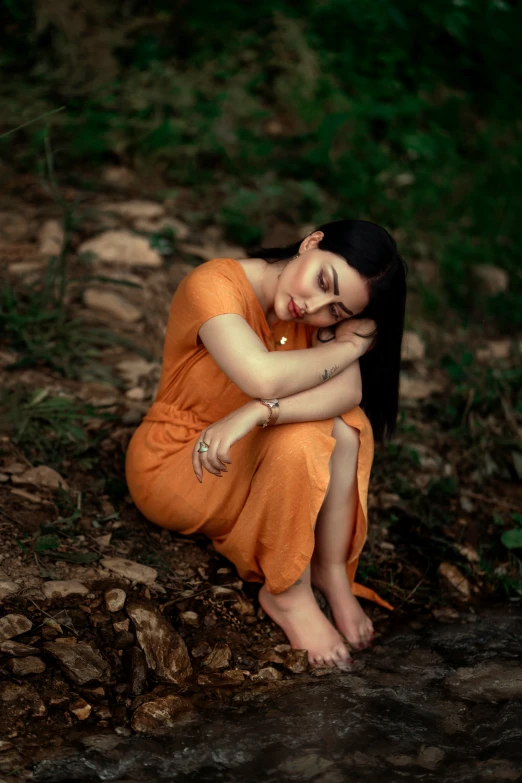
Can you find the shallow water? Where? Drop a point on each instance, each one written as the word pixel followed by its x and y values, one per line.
pixel 431 702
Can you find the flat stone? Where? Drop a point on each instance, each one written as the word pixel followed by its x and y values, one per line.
pixel 218 658
pixel 13 625
pixel 268 674
pixel 189 618
pixel 136 572
pixel 41 476
pixel 136 395
pixel 164 649
pixel 29 665
pixel 455 578
pixel 115 599
pixel 487 682
pixel 8 588
pixel 62 589
pixel 17 649
pixel 135 209
pixel 156 717
pixel 79 661
pixel 50 238
pixel 111 303
pixel 122 247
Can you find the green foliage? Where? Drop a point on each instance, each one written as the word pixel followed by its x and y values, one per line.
pixel 395 110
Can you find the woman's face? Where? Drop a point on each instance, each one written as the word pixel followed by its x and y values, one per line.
pixel 325 288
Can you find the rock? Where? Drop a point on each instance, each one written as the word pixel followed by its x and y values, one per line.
pixel 413 348
pixel 218 658
pixel 487 682
pixel 80 708
pixel 446 615
pixel 456 579
pixel 41 476
pixel 138 671
pixel 430 758
pixel 494 349
pixel 115 599
pixel 164 648
pixel 142 574
pixel 282 648
pixel 25 697
pixel 136 209
pixel 29 665
pixel 122 625
pixel 132 370
pixel 162 224
pixel 230 678
pixel 13 625
pixel 189 618
pixel 8 588
pixel 124 640
pixel 122 247
pixel 297 661
pixel 5 745
pixel 201 649
pixel 121 176
pixel 111 303
pixel 79 661
pixel 400 760
pixel 418 389
pixel 50 238
pixel 17 649
pixel 136 395
pixel 156 717
pixel 268 674
pixel 494 280
pixel 62 589
pixel 304 765
pixel 13 226
pixel 25 267
pixel 404 178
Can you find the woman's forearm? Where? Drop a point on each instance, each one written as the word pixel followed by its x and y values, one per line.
pixel 291 372
pixel 339 395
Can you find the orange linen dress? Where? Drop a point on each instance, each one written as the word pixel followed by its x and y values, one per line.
pixel 261 514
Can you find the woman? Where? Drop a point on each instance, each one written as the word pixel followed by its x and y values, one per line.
pixel 239 387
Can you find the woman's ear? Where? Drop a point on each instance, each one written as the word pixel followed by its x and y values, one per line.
pixel 311 241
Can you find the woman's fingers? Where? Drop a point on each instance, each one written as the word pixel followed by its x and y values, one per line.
pixel 209 459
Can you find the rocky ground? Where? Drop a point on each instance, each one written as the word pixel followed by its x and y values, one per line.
pixel 109 623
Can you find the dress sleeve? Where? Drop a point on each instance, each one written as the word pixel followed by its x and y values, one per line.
pixel 209 290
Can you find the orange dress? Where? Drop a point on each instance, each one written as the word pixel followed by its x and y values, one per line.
pixel 261 514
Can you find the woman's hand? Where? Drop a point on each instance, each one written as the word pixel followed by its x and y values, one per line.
pixel 221 435
pixel 346 332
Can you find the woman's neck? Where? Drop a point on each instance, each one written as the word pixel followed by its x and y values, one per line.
pixel 263 277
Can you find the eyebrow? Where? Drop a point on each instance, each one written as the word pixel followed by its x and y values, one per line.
pixel 336 290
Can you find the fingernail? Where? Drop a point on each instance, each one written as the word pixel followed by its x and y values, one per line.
pixel 199 479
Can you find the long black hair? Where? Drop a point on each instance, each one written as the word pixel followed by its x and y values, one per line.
pixel 372 251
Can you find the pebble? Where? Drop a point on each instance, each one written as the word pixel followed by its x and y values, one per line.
pixel 112 304
pixel 79 661
pixel 494 279
pixel 164 649
pixel 162 714
pixel 189 618
pixel 122 247
pixel 28 665
pixel 297 661
pixel 413 347
pixel 136 572
pixel 115 599
pixel 50 238
pixel 135 209
pixel 218 658
pixel 41 476
pixel 80 708
pixel 268 674
pixel 62 589
pixel 17 649
pixel 8 588
pixel 13 625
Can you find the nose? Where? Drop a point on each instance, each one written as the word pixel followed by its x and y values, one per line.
pixel 317 303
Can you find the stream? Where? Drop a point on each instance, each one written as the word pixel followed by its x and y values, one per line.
pixel 432 701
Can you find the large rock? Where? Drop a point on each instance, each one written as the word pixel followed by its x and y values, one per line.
pixel 62 589
pixel 156 717
pixel 111 303
pixel 135 209
pixel 79 661
pixel 122 247
pixel 490 682
pixel 164 648
pixel 136 572
pixel 13 625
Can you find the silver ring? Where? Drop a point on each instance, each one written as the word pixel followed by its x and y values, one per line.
pixel 203 446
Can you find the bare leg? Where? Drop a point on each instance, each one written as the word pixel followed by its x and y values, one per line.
pixel 296 611
pixel 333 534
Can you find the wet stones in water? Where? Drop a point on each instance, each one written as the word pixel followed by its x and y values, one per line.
pixel 12 625
pixel 79 661
pixel 165 650
pixel 491 682
pixel 160 715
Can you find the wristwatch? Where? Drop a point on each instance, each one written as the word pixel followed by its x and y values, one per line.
pixel 273 406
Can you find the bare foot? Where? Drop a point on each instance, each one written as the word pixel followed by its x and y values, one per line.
pixel 297 613
pixel 346 609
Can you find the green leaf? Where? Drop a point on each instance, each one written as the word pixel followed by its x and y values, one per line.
pixel 43 543
pixel 512 539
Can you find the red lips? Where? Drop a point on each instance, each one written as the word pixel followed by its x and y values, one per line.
pixel 294 310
